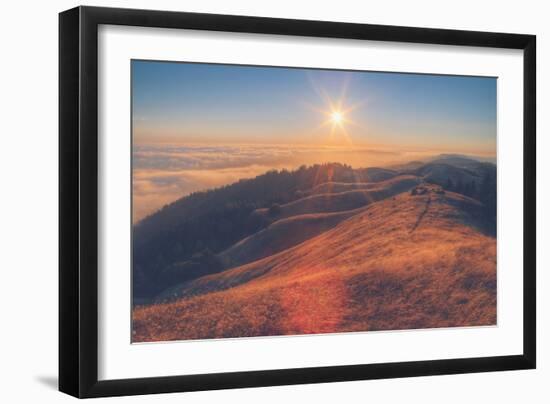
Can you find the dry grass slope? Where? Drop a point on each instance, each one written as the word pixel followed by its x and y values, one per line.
pixel 335 187
pixel 337 198
pixel 282 234
pixel 411 261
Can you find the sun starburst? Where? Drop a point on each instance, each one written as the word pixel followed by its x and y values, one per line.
pixel 336 117
pixel 337 112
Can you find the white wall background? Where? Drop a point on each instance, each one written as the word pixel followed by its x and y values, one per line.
pixel 28 199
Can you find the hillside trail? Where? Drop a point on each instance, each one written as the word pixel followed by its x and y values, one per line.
pixel 319 301
pixel 422 214
pixel 314 305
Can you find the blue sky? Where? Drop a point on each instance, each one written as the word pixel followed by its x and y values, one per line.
pixel 186 102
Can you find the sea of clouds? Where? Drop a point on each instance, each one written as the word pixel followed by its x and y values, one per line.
pixel 163 173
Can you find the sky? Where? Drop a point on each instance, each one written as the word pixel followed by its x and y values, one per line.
pixel 197 126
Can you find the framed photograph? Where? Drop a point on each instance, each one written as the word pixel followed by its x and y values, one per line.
pixel 251 201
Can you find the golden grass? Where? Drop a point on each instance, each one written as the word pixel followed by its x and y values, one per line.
pixel 406 262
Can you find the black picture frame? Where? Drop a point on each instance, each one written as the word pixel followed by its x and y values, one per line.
pixel 78 201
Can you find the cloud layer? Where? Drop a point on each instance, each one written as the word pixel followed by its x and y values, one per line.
pixel 164 173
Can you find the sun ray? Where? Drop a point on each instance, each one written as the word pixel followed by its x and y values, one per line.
pixel 344 90
pixel 337 111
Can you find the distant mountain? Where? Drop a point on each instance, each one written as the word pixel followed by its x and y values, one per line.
pixel 210 232
pixel 411 165
pixel 461 160
pixel 457 160
pixel 374 174
pixel 465 176
pixel 420 259
pixel 441 173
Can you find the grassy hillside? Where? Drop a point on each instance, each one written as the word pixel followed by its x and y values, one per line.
pixel 336 187
pixel 282 234
pixel 208 232
pixel 417 260
pixel 342 197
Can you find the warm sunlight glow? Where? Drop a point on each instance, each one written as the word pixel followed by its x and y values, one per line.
pixel 336 117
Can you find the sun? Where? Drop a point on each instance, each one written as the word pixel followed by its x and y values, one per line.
pixel 336 117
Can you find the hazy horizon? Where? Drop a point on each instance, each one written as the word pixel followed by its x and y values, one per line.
pixel 198 126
